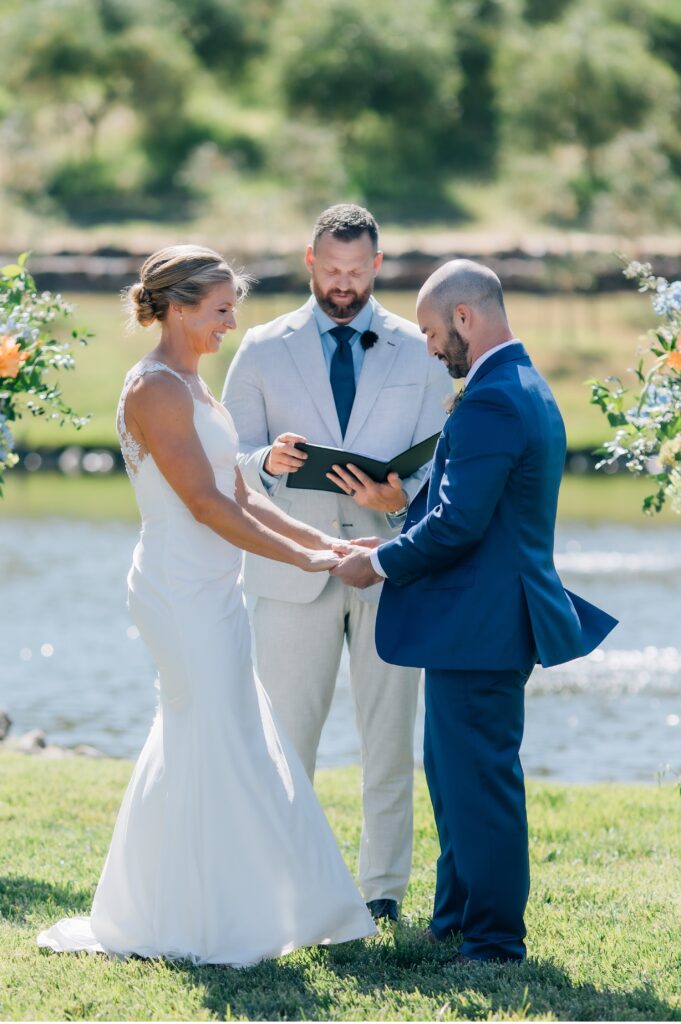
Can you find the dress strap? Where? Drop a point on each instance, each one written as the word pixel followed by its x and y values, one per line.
pixel 133 451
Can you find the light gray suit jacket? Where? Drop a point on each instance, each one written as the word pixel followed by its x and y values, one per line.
pixel 279 382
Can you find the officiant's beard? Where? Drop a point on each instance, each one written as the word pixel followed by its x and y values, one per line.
pixel 353 302
pixel 455 354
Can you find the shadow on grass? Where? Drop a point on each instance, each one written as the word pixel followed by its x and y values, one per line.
pixel 20 897
pixel 396 979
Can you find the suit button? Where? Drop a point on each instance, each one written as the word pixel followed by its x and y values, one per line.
pixel 335 524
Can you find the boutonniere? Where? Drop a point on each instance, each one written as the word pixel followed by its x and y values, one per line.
pixel 451 403
pixel 368 339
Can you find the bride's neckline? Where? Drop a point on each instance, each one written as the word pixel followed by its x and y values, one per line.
pixel 180 373
pixel 187 378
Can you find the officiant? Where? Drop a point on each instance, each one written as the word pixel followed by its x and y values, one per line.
pixel 344 372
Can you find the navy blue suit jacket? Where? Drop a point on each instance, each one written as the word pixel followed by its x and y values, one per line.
pixel 471 580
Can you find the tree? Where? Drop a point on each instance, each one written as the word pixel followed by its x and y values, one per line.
pixel 475 30
pixel 226 34
pixel 581 82
pixel 384 76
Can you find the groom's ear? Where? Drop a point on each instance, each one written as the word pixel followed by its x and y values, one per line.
pixel 461 316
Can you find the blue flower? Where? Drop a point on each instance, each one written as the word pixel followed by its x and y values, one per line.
pixel 667 301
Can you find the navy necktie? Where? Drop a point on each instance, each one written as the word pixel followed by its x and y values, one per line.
pixel 343 374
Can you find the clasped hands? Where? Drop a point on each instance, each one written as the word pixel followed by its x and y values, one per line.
pixel 354 568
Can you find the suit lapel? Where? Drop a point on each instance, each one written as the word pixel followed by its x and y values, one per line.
pixel 304 344
pixel 377 364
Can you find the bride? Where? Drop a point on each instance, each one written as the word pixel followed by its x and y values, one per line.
pixel 221 852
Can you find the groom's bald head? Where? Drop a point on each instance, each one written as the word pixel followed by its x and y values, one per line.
pixel 460 309
pixel 462 281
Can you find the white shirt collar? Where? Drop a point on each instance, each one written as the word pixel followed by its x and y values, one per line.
pixel 485 355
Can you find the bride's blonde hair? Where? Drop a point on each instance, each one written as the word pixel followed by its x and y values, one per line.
pixel 181 274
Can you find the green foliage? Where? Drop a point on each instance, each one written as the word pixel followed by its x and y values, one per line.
pixel 658 20
pixel 538 12
pixel 125 105
pixel 386 77
pixel 30 354
pixel 472 144
pixel 583 81
pixel 648 422
pixel 587 79
pixel 226 34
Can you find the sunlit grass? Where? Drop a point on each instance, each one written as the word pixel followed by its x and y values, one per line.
pixel 604 921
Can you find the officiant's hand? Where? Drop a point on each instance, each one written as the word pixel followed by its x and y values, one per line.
pixel 388 497
pixel 283 456
pixel 356 570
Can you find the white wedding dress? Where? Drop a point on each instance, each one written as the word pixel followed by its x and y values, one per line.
pixel 221 852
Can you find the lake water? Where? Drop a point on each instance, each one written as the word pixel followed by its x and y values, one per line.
pixel 71 662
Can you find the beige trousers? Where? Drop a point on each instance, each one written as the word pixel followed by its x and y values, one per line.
pixel 298 652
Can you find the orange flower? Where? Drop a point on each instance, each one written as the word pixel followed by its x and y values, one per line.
pixel 674 360
pixel 11 356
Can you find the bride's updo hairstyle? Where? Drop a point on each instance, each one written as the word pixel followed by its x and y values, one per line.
pixel 181 274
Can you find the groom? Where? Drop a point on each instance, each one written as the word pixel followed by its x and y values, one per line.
pixel 472 595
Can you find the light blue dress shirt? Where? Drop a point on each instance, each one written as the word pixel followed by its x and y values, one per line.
pixel 360 324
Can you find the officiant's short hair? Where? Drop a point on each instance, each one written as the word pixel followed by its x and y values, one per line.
pixel 346 221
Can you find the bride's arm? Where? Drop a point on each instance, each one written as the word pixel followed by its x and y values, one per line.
pixel 159 411
pixel 267 513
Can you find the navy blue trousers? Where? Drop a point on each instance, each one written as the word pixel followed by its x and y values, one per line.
pixel 473 730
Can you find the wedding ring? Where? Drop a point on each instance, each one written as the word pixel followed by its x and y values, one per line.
pixel 352 493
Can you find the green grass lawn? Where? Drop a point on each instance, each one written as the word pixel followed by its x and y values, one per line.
pixel 571 338
pixel 604 918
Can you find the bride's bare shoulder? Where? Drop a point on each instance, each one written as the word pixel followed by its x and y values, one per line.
pixel 158 392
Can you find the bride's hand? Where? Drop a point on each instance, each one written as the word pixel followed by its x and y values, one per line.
pixel 319 561
pixel 325 542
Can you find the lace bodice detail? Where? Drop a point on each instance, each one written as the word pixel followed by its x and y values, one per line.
pixel 133 452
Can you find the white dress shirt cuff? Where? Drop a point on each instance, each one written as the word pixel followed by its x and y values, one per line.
pixel 268 480
pixel 376 565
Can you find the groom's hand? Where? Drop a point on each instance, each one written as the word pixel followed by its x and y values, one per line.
pixel 368 542
pixel 356 570
pixel 388 497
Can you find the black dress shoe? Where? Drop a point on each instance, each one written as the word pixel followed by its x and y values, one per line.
pixel 383 908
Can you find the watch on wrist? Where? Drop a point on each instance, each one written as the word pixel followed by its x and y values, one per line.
pixel 400 511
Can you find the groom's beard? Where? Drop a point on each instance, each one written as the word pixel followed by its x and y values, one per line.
pixel 353 302
pixel 455 355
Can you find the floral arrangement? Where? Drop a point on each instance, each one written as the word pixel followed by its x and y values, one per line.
pixel 647 422
pixel 29 355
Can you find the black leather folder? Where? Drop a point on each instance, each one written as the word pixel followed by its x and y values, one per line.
pixel 320 460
